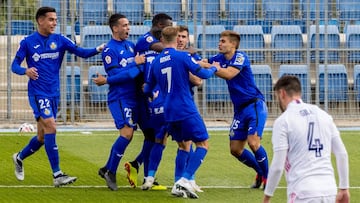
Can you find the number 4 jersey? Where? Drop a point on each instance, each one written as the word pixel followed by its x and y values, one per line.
pixel 306 132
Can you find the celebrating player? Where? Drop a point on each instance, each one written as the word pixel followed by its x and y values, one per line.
pixel 250 111
pixel 44 52
pixel 121 66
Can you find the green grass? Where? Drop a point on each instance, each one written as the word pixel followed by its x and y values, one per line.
pixel 222 177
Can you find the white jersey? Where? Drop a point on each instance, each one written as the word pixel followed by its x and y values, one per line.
pixel 306 131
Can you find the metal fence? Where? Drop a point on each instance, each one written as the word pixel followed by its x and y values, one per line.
pixel 317 40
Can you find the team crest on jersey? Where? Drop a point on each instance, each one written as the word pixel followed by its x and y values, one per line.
pixel 108 59
pixel 239 60
pixel 149 39
pixel 53 45
pixel 47 112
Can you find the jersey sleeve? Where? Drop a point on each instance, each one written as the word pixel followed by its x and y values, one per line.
pixel 19 58
pixel 78 51
pixel 110 61
pixel 239 61
pixel 279 135
pixel 196 69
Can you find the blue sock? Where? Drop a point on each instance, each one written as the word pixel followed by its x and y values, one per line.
pixel 155 158
pixel 31 148
pixel 148 145
pixel 195 161
pixel 262 159
pixel 140 157
pixel 191 154
pixel 117 153
pixel 248 159
pixel 180 163
pixel 52 151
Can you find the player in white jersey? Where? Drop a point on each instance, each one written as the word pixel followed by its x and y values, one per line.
pixel 304 136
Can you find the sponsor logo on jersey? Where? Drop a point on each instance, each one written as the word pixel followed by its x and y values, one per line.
pixel 36 46
pixel 123 62
pixel 131 49
pixel 36 57
pixel 193 60
pixel 165 58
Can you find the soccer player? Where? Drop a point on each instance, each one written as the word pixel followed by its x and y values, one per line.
pixel 182 156
pixel 303 138
pixel 250 111
pixel 122 66
pixel 150 46
pixel 44 51
pixel 170 70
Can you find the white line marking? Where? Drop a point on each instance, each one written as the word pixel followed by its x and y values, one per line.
pixel 104 186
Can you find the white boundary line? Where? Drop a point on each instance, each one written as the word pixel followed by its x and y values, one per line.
pixel 103 186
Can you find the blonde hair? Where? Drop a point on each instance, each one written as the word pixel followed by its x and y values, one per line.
pixel 233 37
pixel 169 34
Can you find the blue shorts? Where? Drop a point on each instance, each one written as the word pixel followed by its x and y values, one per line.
pixel 192 128
pixel 158 123
pixel 123 112
pixel 44 107
pixel 143 116
pixel 248 121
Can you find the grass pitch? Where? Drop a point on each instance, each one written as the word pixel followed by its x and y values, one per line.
pixel 222 177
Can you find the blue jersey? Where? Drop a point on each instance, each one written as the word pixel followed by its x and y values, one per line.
pixel 143 47
pixel 119 62
pixel 170 70
pixel 242 87
pixel 46 53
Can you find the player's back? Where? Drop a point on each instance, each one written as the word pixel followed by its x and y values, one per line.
pixel 310 130
pixel 172 74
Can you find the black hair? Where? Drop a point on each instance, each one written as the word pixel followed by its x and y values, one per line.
pixel 160 18
pixel 43 10
pixel 290 83
pixel 113 20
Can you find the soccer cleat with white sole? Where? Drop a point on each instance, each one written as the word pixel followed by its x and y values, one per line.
pixel 184 185
pixel 63 179
pixel 177 192
pixel 149 181
pixel 19 168
pixel 195 186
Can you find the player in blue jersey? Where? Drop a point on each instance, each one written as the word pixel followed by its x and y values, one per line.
pixel 250 111
pixel 159 125
pixel 44 51
pixel 149 45
pixel 170 70
pixel 182 156
pixel 122 66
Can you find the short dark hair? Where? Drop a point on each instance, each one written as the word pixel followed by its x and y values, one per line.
pixel 43 10
pixel 290 83
pixel 113 20
pixel 184 28
pixel 160 18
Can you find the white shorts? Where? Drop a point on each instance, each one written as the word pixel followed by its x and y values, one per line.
pixel 326 199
